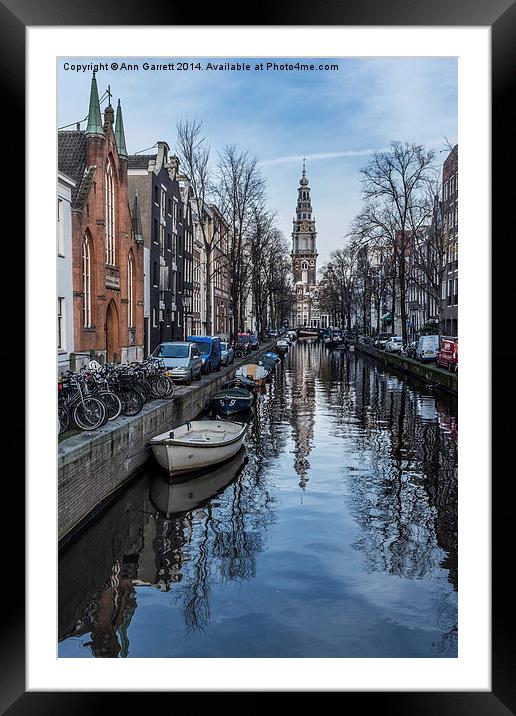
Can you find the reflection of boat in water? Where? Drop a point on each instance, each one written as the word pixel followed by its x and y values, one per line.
pixel 189 492
pixel 198 444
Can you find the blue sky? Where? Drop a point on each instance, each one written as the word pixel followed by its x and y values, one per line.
pixel 334 118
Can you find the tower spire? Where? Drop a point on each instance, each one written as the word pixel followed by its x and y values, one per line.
pixel 94 126
pixel 119 133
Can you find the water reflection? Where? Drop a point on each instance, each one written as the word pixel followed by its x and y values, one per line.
pixel 232 564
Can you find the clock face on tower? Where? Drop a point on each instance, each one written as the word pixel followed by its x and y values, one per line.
pixel 304 226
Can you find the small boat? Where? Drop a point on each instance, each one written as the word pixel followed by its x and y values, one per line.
pixel 273 356
pixel 229 401
pixel 197 445
pixel 191 491
pixel 268 363
pixel 241 382
pixel 253 371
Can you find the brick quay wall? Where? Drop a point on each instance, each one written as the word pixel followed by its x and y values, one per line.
pixel 94 466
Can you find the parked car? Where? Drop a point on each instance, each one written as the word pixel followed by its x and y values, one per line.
pixel 427 348
pixel 394 344
pixel 209 348
pixel 448 354
pixel 411 349
pixel 381 340
pixel 227 354
pixel 182 360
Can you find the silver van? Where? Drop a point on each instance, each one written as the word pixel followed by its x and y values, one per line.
pixel 427 348
pixel 182 360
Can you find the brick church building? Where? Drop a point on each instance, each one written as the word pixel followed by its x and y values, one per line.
pixel 107 257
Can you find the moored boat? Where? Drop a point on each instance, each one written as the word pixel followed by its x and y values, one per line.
pixel 253 371
pixel 197 444
pixel 229 401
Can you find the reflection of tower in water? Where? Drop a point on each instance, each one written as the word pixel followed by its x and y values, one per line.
pixel 303 406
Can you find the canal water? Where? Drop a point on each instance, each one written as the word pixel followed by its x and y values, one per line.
pixel 332 534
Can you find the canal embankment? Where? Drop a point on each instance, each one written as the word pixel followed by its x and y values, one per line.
pixel 94 466
pixel 427 372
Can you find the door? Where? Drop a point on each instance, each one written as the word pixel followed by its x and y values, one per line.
pixel 112 340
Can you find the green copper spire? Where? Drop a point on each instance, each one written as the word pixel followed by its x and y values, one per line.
pixel 94 125
pixel 119 133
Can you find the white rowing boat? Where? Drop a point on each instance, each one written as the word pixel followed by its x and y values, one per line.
pixel 198 444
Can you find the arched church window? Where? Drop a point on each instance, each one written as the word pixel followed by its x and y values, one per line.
pixel 86 282
pixel 109 212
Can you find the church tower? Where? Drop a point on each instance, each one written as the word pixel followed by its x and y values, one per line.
pixel 304 260
pixel 304 248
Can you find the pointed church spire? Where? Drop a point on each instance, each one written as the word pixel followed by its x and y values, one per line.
pixel 304 181
pixel 119 133
pixel 94 126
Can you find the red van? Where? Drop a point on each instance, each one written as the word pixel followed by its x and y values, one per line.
pixel 448 354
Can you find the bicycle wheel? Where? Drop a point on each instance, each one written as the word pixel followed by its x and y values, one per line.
pixel 146 389
pixel 164 387
pixel 113 404
pixel 132 401
pixel 64 418
pixel 89 414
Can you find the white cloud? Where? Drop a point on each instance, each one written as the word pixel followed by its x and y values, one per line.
pixel 291 158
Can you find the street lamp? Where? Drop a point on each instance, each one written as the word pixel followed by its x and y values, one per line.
pixel 187 302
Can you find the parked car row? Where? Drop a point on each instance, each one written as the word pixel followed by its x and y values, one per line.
pixel 199 355
pixel 441 349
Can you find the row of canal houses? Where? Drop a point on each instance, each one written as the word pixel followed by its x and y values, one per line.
pixel 131 263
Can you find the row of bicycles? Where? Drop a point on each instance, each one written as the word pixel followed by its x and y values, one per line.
pixel 98 393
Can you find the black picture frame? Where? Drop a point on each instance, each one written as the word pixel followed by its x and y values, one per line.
pixel 500 15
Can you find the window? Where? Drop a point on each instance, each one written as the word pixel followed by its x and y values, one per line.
pixel 130 295
pixel 174 216
pixel 155 274
pixel 109 212
pixel 156 195
pixel 163 203
pixel 86 283
pixel 162 239
pixel 155 231
pixel 60 323
pixel 60 228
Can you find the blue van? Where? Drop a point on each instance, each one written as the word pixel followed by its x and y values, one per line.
pixel 209 348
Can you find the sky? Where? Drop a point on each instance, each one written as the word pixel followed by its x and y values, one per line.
pixel 334 118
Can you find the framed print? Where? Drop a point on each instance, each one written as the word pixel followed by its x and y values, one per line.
pixel 257 244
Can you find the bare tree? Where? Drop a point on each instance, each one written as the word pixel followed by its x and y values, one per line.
pixel 239 189
pixel 194 155
pixel 394 185
pixel 339 277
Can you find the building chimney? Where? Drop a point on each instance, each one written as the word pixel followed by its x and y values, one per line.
pixel 162 158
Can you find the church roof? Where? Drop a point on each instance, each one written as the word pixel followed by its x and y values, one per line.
pixel 140 161
pixel 71 157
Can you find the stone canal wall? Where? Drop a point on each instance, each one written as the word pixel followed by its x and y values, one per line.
pixel 427 372
pixel 93 466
